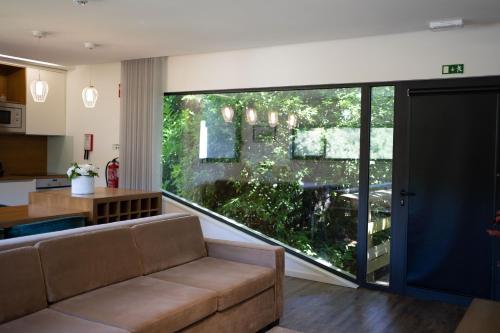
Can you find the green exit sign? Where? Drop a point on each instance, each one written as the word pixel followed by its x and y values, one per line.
pixel 453 69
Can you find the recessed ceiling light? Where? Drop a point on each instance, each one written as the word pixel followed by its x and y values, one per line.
pixel 38 34
pixel 89 45
pixel 446 24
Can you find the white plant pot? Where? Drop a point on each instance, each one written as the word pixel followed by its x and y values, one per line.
pixel 82 185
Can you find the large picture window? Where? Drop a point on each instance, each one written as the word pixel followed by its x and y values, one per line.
pixel 284 163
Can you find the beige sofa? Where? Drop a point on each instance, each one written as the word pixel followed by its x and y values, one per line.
pixel 149 275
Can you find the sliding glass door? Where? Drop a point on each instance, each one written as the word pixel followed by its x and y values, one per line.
pixel 380 185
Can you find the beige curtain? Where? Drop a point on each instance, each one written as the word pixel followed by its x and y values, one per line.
pixel 141 104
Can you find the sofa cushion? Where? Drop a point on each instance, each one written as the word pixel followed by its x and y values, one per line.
pixel 50 321
pixel 76 264
pixel 232 281
pixel 166 244
pixel 142 305
pixel 248 317
pixel 22 290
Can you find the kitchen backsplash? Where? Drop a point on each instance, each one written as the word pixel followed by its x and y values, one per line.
pixel 23 154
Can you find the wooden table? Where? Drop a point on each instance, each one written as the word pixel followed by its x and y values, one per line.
pixel 105 205
pixel 16 215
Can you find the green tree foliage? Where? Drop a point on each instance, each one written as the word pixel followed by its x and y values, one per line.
pixel 308 204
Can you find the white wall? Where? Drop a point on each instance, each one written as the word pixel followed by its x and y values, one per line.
pixel 406 56
pixel 103 121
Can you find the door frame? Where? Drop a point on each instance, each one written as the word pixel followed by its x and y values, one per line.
pixel 401 164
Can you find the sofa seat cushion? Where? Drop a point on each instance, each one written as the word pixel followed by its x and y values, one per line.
pixel 142 304
pixel 232 281
pixel 50 321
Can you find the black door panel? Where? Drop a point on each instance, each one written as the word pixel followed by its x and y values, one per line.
pixel 452 176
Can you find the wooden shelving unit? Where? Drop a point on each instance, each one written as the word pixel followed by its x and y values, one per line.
pixel 105 205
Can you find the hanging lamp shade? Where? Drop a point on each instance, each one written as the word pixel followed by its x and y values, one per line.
pixel 251 116
pixel 39 90
pixel 272 118
pixel 89 96
pixel 292 121
pixel 228 114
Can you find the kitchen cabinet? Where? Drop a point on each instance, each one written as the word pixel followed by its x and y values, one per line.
pixel 12 84
pixel 48 118
pixel 16 192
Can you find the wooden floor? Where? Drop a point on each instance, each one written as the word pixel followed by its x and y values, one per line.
pixel 313 307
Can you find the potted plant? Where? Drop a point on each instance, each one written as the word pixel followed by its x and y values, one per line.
pixel 82 178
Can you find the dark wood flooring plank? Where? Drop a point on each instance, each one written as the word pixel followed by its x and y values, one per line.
pixel 313 307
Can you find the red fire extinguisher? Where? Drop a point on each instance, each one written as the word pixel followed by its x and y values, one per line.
pixel 112 173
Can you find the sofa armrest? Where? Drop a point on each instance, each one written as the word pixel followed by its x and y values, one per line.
pixel 253 254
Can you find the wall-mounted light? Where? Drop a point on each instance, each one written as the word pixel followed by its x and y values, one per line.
pixel 251 116
pixel 272 118
pixel 228 114
pixel 292 121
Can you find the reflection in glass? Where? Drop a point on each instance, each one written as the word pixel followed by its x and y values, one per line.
pixel 292 121
pixel 308 143
pixel 251 116
pixel 272 118
pixel 203 140
pixel 228 114
pixel 380 192
pixel 297 186
pixel 342 143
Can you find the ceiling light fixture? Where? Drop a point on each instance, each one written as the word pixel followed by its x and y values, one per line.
pixel 446 24
pixel 31 61
pixel 81 2
pixel 39 89
pixel 272 118
pixel 90 93
pixel 228 114
pixel 251 116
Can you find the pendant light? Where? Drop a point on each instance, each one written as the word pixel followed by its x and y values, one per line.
pixel 89 93
pixel 272 118
pixel 89 96
pixel 228 114
pixel 292 121
pixel 39 89
pixel 251 116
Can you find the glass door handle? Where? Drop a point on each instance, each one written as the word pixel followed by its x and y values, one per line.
pixel 404 193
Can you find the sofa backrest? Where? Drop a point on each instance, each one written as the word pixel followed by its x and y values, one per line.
pixel 166 244
pixel 22 289
pixel 7 244
pixel 76 264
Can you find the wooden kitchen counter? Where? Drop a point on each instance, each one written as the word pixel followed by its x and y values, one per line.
pixel 105 205
pixel 15 215
pixel 29 177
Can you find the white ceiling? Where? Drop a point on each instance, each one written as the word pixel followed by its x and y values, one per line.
pixel 128 29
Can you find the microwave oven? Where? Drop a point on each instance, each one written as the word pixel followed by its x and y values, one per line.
pixel 12 118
